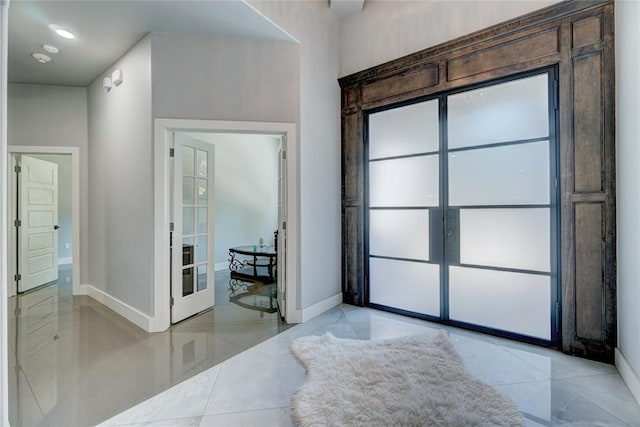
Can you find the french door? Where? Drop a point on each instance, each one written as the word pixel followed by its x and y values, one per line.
pixel 192 275
pixel 462 208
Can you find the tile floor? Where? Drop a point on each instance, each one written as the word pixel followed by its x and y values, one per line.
pixel 254 388
pixel 72 361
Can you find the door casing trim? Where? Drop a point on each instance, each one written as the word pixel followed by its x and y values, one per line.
pixel 163 129
pixel 78 289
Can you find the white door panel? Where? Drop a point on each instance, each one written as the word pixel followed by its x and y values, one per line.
pixel 281 268
pixel 38 213
pixel 192 275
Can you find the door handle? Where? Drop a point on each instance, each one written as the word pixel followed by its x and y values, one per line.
pixel 56 227
pixel 450 223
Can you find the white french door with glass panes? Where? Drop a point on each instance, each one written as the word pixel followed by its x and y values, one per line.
pixel 192 275
pixel 462 211
pixel 281 238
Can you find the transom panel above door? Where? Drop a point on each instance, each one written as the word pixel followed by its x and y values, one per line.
pixel 461 207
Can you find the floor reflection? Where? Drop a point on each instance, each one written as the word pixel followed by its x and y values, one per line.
pixel 73 361
pixel 256 296
pixel 256 387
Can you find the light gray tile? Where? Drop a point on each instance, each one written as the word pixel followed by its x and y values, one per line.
pixel 552 363
pixel 184 400
pixel 176 422
pixel 610 393
pixel 279 417
pixel 95 365
pixel 582 412
pixel 25 411
pixel 240 335
pixel 255 380
pixel 491 363
pixel 378 328
pixel 538 400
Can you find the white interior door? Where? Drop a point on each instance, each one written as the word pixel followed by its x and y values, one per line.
pixel 282 231
pixel 193 236
pixel 38 216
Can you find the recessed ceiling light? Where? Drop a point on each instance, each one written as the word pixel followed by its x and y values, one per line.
pixel 41 58
pixel 65 34
pixel 61 32
pixel 50 49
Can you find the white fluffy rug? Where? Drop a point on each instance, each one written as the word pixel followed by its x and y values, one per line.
pixel 417 380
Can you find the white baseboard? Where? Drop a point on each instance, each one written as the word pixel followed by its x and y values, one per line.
pixel 66 260
pixel 319 308
pixel 133 315
pixel 219 266
pixel 628 374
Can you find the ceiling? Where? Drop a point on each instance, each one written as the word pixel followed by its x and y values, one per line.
pixel 105 30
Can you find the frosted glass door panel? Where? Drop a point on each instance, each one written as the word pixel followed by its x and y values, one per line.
pixel 510 238
pixel 405 182
pixel 411 286
pixel 406 130
pixel 510 111
pixel 399 233
pixel 506 175
pixel 513 302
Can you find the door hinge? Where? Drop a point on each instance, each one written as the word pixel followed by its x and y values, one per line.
pixel 172 152
pixel 17 223
pixel 556 94
pixel 284 225
pixel 18 311
pixel 18 169
pixel 557 316
pixel 284 155
pixel 17 277
pixel 171 300
pixel 171 225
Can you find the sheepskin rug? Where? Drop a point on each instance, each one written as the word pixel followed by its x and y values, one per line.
pixel 416 380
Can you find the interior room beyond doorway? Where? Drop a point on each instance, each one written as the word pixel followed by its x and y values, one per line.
pixel 230 199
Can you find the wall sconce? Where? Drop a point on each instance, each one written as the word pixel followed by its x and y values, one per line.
pixel 106 84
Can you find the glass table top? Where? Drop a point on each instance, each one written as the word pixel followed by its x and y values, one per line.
pixel 254 249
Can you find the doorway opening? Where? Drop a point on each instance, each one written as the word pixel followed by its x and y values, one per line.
pixel 190 229
pixel 226 193
pixel 462 208
pixel 43 219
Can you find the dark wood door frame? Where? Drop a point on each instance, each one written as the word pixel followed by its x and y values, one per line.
pixel 578 37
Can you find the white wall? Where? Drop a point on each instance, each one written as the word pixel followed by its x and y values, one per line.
pixel 65 202
pixel 217 78
pixel 120 182
pixel 317 30
pixel 386 30
pixel 4 35
pixel 628 186
pixel 41 115
pixel 246 189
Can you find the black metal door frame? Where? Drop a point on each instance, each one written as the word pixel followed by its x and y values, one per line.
pixel 444 220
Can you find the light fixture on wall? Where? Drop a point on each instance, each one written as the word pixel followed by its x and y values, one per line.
pixel 116 77
pixel 106 84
